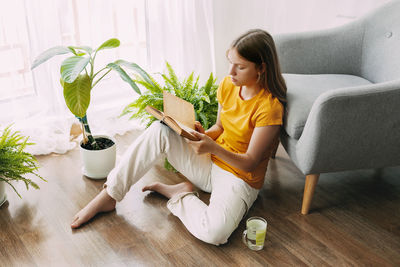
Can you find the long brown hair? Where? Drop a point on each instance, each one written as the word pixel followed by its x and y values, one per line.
pixel 258 47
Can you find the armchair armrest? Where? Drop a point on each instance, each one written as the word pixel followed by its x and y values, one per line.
pixel 333 51
pixel 352 128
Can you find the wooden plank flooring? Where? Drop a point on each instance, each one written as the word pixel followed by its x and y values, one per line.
pixel 354 221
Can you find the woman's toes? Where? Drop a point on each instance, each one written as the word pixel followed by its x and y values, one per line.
pixel 76 222
pixel 150 187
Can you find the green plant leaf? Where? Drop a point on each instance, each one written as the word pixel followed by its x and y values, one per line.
pixel 173 78
pixel 73 50
pixel 188 86
pixel 87 49
pixel 209 84
pixel 143 83
pixel 72 67
pixel 77 95
pixel 201 106
pixel 168 83
pixel 76 52
pixel 206 98
pixel 49 53
pixel 124 76
pixel 111 43
pixel 135 67
pixel 204 119
pixel 14 162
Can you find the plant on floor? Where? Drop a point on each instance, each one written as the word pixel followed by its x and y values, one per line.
pixel 15 163
pixel 78 79
pixel 203 97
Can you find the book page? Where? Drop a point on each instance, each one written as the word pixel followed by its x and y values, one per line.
pixel 184 127
pixel 175 125
pixel 155 112
pixel 179 109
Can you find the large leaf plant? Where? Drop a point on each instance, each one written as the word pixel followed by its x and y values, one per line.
pixel 203 97
pixel 15 163
pixel 78 78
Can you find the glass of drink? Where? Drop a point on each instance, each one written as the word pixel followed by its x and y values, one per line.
pixel 254 235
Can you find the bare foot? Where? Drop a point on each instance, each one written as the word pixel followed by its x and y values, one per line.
pixel 169 190
pixel 101 203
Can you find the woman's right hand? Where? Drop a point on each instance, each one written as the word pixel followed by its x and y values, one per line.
pixel 204 144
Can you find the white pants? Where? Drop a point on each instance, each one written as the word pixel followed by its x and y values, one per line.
pixel 231 197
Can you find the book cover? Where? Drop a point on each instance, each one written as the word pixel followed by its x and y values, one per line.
pixel 178 115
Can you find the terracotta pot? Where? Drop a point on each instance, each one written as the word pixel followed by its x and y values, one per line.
pixel 97 164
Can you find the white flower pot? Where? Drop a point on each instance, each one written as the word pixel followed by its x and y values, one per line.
pixel 3 196
pixel 97 164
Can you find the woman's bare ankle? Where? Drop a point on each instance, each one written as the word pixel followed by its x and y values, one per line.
pixel 107 203
pixel 169 190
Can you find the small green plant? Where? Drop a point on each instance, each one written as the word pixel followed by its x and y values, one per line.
pixel 78 79
pixel 203 97
pixel 14 162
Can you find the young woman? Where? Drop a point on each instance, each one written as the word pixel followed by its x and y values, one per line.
pixel 229 161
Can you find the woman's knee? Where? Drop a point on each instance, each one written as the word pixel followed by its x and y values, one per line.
pixel 221 221
pixel 156 126
pixel 158 129
pixel 216 239
pixel 160 134
pixel 218 232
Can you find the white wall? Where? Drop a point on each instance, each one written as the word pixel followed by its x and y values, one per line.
pixel 234 17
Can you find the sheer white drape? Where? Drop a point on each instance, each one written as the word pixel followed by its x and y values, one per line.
pixel 150 33
pixel 38 109
pixel 181 32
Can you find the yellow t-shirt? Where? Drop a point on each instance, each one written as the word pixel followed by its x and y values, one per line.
pixel 239 118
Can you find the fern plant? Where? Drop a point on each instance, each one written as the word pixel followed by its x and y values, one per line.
pixel 14 162
pixel 203 98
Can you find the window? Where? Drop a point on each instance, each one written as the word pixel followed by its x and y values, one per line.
pixel 15 75
pixel 27 29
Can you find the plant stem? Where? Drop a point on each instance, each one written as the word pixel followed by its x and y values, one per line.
pixel 85 139
pixel 100 78
pixel 92 65
pixel 99 72
pixel 89 135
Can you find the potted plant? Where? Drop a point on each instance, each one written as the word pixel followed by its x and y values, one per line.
pixel 78 78
pixel 15 163
pixel 203 98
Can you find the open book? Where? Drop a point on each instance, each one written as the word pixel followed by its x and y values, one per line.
pixel 178 115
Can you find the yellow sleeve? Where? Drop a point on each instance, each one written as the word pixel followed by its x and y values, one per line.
pixel 270 114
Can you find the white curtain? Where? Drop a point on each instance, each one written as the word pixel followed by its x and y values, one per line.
pixel 150 33
pixel 181 32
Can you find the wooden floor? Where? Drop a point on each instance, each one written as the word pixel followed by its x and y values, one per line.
pixel 354 220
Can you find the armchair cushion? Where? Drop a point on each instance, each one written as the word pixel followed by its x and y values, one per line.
pixel 302 92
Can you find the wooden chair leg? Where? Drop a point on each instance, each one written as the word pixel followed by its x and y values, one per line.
pixel 309 188
pixel 275 148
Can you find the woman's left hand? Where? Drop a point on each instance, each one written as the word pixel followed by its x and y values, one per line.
pixel 204 145
pixel 199 127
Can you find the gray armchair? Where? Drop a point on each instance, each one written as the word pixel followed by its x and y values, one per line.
pixel 343 110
